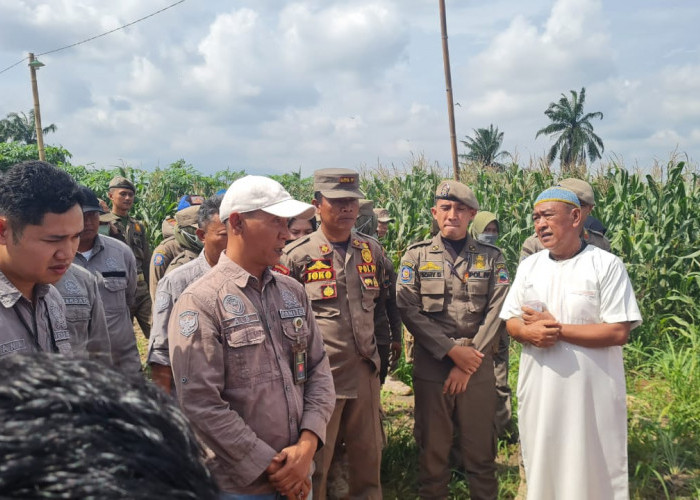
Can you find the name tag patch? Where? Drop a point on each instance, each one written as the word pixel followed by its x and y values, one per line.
pixel 242 320
pixel 76 301
pixel 292 313
pixel 12 346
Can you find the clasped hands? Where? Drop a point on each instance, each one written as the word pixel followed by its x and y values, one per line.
pixel 289 470
pixel 541 328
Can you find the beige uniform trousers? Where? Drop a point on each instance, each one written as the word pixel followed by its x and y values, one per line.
pixel 359 418
pixel 437 415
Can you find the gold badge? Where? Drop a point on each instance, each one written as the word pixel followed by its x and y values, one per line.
pixel 430 266
pixel 356 242
pixel 480 261
pixel 367 255
pixel 324 249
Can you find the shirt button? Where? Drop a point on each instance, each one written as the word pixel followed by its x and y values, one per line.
pixel 286 388
pixel 183 380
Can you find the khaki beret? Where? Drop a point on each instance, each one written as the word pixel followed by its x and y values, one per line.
pixel 383 215
pixel 456 191
pixel 122 183
pixel 337 183
pixel 366 207
pixel 187 216
pixel 582 189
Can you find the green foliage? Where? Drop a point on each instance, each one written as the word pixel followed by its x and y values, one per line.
pixel 300 188
pixel 12 153
pixel 573 130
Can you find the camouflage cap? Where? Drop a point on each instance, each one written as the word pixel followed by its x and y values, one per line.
pixel 366 207
pixel 187 216
pixel 337 183
pixel 383 215
pixel 456 191
pixel 121 182
pixel 583 190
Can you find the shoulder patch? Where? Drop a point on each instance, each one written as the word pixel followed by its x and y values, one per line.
pixel 162 301
pixel 158 259
pixel 502 277
pixel 406 273
pixel 189 322
pixel 296 243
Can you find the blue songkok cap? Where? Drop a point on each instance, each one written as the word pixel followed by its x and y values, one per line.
pixel 559 194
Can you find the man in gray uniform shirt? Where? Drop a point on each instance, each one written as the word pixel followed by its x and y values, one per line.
pixel 114 265
pixel 85 314
pixel 40 225
pixel 212 232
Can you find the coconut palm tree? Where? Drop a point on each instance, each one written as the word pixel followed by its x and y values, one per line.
pixel 576 141
pixel 19 127
pixel 484 147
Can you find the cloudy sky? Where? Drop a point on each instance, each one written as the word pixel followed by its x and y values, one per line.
pixel 272 86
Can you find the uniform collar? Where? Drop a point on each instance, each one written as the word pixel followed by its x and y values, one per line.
pixel 240 276
pixel 10 295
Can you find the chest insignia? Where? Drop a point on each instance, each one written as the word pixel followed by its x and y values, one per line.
pixel 431 265
pixel 480 262
pixel 325 249
pixel 233 304
pixel 290 300
pixel 279 268
pixel 366 255
pixel 319 270
pixel 329 291
pixel 71 286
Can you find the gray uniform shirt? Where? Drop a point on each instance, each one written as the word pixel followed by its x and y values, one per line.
pixel 85 314
pixel 114 265
pixel 168 291
pixel 32 328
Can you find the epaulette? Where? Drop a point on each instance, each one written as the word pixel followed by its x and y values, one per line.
pixel 419 244
pixel 293 244
pixel 597 233
pixel 367 237
pixel 488 245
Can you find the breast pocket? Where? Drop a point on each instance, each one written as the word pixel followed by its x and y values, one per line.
pixel 477 291
pixel 248 356
pixel 432 295
pixel 77 313
pixel 583 306
pixel 324 299
pixel 115 298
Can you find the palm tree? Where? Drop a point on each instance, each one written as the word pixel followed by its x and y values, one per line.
pixel 576 141
pixel 484 147
pixel 18 127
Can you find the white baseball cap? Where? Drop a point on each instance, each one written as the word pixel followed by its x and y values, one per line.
pixel 256 192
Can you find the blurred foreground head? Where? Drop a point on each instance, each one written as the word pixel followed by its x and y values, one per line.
pixel 79 429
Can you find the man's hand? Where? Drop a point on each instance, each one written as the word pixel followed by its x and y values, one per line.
pixel 395 354
pixel 456 381
pixel 465 357
pixel 531 315
pixel 543 333
pixel 292 478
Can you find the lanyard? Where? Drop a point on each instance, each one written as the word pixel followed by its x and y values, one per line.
pixel 34 333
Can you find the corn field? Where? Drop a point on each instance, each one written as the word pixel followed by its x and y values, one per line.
pixel 653 226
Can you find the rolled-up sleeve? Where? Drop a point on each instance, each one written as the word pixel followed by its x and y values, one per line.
pixel 162 308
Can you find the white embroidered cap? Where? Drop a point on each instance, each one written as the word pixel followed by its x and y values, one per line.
pixel 256 192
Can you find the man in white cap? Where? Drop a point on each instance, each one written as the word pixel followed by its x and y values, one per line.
pixel 247 357
pixel 571 307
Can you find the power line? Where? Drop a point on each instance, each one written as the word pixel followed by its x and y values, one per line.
pixel 97 36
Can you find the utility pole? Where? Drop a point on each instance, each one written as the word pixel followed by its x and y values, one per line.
pixel 35 64
pixel 448 89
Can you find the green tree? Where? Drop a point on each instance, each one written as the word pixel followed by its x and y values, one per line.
pixel 18 127
pixel 576 141
pixel 484 148
pixel 14 152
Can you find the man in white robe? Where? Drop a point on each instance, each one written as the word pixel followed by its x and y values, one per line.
pixel 572 307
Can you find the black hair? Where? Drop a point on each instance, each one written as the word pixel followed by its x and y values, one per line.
pixel 318 197
pixel 76 428
pixel 31 189
pixel 208 209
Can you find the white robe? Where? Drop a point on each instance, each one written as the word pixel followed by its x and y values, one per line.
pixel 571 399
